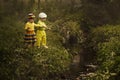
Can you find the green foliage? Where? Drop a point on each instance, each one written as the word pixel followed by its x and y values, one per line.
pixel 106 44
pixel 34 64
pixel 71 34
pixel 42 63
pixel 30 64
pixel 101 12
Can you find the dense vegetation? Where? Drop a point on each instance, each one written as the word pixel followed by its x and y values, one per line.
pixel 89 29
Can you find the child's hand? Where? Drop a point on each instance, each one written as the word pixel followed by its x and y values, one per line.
pixel 45 26
pixel 29 30
pixel 49 28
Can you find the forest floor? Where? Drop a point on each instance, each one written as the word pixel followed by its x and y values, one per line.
pixel 79 72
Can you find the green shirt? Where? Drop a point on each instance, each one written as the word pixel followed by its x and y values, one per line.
pixel 42 25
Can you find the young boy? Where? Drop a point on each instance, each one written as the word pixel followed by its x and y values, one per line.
pixel 41 34
pixel 30 37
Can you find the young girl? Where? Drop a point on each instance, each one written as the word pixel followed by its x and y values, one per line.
pixel 30 37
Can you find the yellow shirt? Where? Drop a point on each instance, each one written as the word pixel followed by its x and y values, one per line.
pixel 42 25
pixel 30 26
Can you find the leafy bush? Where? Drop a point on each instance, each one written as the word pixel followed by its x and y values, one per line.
pixel 106 43
pixel 71 34
pixel 30 64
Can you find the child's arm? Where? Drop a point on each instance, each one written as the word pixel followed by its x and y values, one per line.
pixel 36 25
pixel 47 27
pixel 42 25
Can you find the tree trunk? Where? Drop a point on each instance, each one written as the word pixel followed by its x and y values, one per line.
pixel 72 5
pixel 39 4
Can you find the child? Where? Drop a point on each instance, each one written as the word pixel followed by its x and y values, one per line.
pixel 41 34
pixel 30 37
